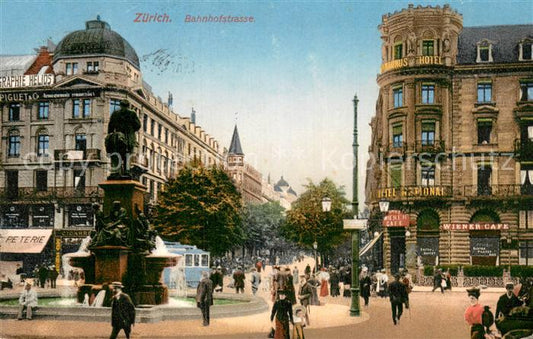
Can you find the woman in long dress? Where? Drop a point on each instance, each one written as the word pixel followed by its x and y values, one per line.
pixel 324 278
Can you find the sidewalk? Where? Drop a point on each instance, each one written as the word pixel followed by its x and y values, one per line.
pixel 499 290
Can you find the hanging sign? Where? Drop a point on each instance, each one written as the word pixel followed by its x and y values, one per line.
pixel 396 219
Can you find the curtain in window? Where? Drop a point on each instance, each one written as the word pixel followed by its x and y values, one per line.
pixel 523 177
pixel 530 132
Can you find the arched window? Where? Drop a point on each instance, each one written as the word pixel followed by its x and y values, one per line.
pixel 484 244
pixel 427 224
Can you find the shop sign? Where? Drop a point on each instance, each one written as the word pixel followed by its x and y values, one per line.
pixel 474 227
pixel 48 95
pixel 80 215
pixel 43 215
pixel 406 192
pixel 23 241
pixel 428 246
pixel 404 62
pixel 396 218
pixel 72 233
pixel 14 216
pixel 30 80
pixel 484 246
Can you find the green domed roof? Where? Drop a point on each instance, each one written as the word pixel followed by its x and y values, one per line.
pixel 96 39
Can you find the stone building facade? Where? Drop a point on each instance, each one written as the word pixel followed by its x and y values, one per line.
pixel 451 142
pixel 55 109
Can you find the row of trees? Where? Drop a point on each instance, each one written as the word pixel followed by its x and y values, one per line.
pixel 202 206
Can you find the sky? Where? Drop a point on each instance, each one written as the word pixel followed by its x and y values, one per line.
pixel 287 79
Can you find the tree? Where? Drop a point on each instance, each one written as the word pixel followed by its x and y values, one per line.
pixel 262 226
pixel 201 206
pixel 307 223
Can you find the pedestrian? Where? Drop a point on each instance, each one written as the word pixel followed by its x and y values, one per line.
pixel 204 296
pixel 506 302
pixel 299 323
pixel 448 277
pixel 315 284
pixel 324 278
pixel 52 274
pixel 398 295
pixel 347 283
pixel 122 311
pixel 289 286
pixel 43 275
pixel 406 280
pixel 218 279
pixel 259 266
pixel 27 301
pixel 282 311
pixel 334 283
pixel 20 273
pixel 295 275
pixel 304 294
pixel 239 278
pixel 437 281
pixel 364 285
pixel 473 314
pixel 307 270
pixel 256 280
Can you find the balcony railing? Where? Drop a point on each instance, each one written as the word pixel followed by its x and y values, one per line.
pixel 429 146
pixel 90 154
pixel 523 149
pixel 30 193
pixel 480 191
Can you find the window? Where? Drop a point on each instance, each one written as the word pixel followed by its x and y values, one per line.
pixel 41 181
pixel 428 48
pixel 166 136
pixel 79 179
pixel 14 112
pixel 145 123
pixel 81 142
pixel 484 173
pixel 86 108
pixel 526 252
pixel 428 93
pixel 92 66
pixel 44 110
pixel 396 175
pixel 114 104
pixel 12 184
pixel 428 133
pixel 484 92
pixel 427 174
pixel 526 179
pixel 14 145
pixel 525 49
pixel 484 128
pixel 196 260
pixel 398 51
pixel 159 130
pixel 72 68
pixel 527 91
pixel 152 127
pixel 398 97
pixel 525 219
pixel 205 260
pixel 484 53
pixel 397 136
pixel 43 141
pixel 188 260
pixel 75 108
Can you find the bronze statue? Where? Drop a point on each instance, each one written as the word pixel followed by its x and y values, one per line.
pixel 120 141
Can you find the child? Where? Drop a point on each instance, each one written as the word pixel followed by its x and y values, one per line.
pixel 298 328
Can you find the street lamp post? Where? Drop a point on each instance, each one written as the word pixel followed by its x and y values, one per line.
pixel 315 246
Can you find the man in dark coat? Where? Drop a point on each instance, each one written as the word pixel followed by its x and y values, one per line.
pixel 334 280
pixel 282 310
pixel 204 296
pixel 507 302
pixel 43 275
pixel 217 279
pixel 437 281
pixel 52 275
pixel 398 295
pixel 239 277
pixel 122 312
pixel 304 294
pixel 364 285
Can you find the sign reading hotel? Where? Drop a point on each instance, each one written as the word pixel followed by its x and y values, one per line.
pixel 405 192
pixel 31 80
pixel 474 227
pixel 419 61
pixel 396 219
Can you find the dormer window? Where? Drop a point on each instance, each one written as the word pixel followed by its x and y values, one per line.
pixel 524 50
pixel 71 68
pixel 484 51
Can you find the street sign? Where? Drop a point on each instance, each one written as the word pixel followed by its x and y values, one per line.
pixel 355 224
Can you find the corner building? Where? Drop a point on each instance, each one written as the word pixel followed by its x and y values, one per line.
pixel 55 109
pixel 452 141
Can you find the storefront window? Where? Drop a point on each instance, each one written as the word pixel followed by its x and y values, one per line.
pixel 526 253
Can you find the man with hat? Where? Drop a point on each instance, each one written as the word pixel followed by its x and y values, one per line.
pixel 282 310
pixel 473 314
pixel 204 296
pixel 27 300
pixel 506 302
pixel 239 278
pixel 398 295
pixel 122 311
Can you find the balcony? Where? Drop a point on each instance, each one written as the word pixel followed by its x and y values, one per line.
pixel 523 149
pixel 90 154
pixel 497 191
pixel 430 146
pixel 52 193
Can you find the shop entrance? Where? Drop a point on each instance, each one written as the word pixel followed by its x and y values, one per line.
pixel 485 245
pixel 397 243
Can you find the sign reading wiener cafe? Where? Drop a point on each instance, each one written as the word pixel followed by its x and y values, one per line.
pixel 478 226
pixel 405 192
pixel 396 219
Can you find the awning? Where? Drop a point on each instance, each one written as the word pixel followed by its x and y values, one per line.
pixel 369 245
pixel 23 240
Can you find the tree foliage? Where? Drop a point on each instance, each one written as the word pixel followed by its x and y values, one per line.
pixel 306 222
pixel 202 207
pixel 262 226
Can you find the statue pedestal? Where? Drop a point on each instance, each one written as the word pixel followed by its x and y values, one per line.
pixel 110 264
pixel 128 192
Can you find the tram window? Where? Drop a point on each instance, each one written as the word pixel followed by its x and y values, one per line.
pixel 196 260
pixel 188 259
pixel 205 261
